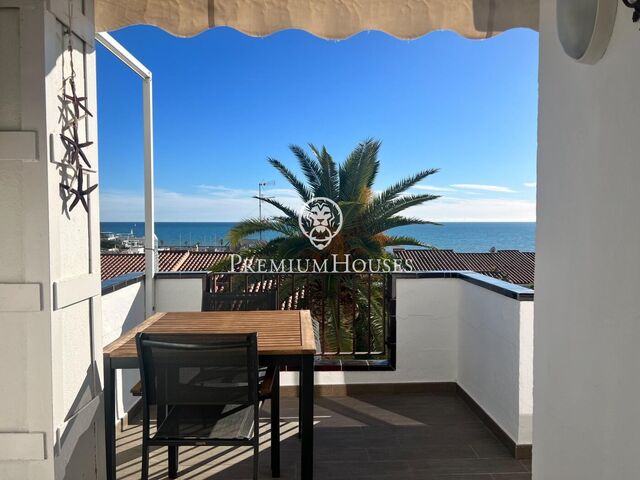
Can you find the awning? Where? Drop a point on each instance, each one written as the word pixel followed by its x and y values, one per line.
pixel 334 19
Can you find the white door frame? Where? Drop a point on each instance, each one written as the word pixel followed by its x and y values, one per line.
pixel 150 248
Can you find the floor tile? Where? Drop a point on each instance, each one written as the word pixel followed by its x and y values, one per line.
pixel 373 436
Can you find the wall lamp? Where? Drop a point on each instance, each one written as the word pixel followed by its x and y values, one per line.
pixel 635 4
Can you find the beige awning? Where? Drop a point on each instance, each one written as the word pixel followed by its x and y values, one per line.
pixel 333 19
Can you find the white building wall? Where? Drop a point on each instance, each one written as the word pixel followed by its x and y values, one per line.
pixel 51 406
pixel 123 310
pixel 586 420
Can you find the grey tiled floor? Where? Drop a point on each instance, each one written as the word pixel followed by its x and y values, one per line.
pixel 373 436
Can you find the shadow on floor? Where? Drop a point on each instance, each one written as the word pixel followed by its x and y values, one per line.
pixel 371 436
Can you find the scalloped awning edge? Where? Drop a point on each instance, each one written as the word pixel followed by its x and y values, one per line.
pixel 331 19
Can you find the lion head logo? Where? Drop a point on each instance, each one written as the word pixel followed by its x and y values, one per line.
pixel 320 221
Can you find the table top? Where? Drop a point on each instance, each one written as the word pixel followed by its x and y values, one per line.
pixel 280 332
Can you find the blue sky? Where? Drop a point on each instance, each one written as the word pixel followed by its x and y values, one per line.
pixel 224 102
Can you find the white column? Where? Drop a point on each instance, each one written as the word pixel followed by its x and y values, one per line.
pixel 51 416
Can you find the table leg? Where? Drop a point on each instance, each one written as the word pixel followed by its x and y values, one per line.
pixel 173 461
pixel 275 425
pixel 306 420
pixel 300 403
pixel 110 418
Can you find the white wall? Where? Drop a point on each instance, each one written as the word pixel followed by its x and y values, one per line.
pixel 51 410
pixel 178 294
pixel 587 354
pixel 495 361
pixel 121 311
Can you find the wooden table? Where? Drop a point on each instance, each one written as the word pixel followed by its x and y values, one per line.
pixel 285 338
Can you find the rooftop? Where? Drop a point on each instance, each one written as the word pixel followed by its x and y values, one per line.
pixel 512 266
pixel 116 264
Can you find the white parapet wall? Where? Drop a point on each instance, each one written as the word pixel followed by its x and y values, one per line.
pixel 460 328
pixel 122 310
pixel 427 331
pixel 495 357
pixel 472 330
pixel 475 334
pixel 179 291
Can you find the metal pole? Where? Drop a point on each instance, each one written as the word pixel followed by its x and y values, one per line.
pixel 260 205
pixel 149 210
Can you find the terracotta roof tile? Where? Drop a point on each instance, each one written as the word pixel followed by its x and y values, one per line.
pixel 510 265
pixel 432 260
pixel 116 264
pixel 199 261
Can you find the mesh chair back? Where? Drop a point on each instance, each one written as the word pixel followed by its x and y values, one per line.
pixel 195 369
pixel 212 302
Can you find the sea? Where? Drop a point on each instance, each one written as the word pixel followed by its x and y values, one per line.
pixel 459 236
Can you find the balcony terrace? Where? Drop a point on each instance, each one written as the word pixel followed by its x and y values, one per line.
pixel 453 401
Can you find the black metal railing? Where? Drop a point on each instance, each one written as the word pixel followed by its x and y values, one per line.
pixel 352 312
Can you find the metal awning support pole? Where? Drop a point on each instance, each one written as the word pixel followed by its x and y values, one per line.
pixel 149 208
pixel 150 252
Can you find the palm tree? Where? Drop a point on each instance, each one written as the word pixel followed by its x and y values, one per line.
pixel 345 300
pixel 367 216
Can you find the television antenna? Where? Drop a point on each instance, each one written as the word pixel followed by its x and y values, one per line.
pixel 261 185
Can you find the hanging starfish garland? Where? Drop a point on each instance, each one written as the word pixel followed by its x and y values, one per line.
pixel 77 102
pixel 81 194
pixel 74 150
pixel 75 110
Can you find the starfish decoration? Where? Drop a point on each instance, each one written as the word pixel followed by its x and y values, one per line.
pixel 77 102
pixel 81 194
pixel 74 149
pixel 75 110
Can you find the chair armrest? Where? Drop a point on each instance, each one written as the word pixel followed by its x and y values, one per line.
pixel 136 390
pixel 265 387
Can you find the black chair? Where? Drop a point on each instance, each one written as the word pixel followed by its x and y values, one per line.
pixel 269 377
pixel 227 302
pixel 204 391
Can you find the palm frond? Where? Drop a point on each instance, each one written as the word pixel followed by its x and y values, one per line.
pixel 289 212
pixel 397 205
pixel 299 187
pixel 403 185
pixel 381 225
pixel 311 169
pixel 359 170
pixel 255 225
pixel 330 178
pixel 399 240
